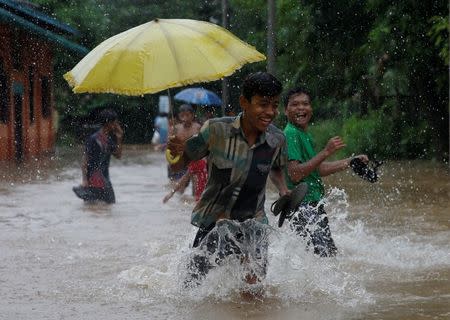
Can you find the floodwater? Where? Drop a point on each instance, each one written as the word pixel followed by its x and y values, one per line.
pixel 63 259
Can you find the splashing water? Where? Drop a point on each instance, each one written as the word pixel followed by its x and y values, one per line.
pixel 129 260
pixel 294 274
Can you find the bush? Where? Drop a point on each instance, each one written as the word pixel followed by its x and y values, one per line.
pixel 371 135
pixel 323 130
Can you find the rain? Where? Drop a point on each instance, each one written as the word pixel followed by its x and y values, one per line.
pixel 376 73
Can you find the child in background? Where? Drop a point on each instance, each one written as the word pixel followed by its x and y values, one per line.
pixel 199 173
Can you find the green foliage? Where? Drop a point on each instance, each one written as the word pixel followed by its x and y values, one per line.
pixel 362 59
pixel 323 130
pixel 375 134
pixel 370 135
pixel 378 69
pixel 439 35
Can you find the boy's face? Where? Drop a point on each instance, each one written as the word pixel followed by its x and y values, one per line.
pixel 112 127
pixel 260 110
pixel 299 110
pixel 186 117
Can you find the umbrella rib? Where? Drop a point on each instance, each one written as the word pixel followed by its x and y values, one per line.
pixel 206 59
pixel 121 56
pixel 171 48
pixel 218 43
pixel 197 49
pixel 206 35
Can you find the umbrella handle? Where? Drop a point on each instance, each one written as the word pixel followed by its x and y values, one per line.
pixel 171 110
pixel 172 159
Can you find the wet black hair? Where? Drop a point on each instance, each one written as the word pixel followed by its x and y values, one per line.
pixel 296 91
pixel 261 83
pixel 186 107
pixel 106 116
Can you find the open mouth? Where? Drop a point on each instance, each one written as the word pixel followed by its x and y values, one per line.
pixel 300 116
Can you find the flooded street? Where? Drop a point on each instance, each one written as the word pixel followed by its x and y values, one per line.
pixel 63 259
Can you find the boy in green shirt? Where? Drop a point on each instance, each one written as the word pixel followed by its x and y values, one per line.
pixel 305 165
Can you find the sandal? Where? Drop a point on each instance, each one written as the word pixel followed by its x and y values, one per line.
pixel 364 171
pixel 288 203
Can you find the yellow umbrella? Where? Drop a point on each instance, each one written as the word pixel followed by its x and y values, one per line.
pixel 161 54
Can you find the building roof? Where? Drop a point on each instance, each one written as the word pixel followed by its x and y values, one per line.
pixel 27 12
pixel 25 17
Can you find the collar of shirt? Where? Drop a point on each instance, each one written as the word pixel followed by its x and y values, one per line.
pixel 296 128
pixel 268 135
pixel 232 162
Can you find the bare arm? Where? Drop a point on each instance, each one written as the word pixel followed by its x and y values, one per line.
pixel 119 135
pixel 277 177
pixel 194 148
pixel 118 152
pixel 329 167
pixel 176 146
pixel 178 186
pixel 298 171
pixel 84 179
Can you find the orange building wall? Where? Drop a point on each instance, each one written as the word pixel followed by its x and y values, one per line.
pixel 6 140
pixel 37 136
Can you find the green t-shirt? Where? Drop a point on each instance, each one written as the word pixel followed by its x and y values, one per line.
pixel 300 147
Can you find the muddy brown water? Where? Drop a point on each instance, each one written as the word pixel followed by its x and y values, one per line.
pixel 63 259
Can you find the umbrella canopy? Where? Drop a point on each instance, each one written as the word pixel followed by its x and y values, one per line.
pixel 199 96
pixel 161 54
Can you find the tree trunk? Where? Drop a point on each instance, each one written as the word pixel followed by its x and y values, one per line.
pixel 225 93
pixel 271 37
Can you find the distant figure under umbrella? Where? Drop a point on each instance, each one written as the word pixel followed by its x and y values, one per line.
pixel 187 128
pixel 198 172
pixel 198 96
pixel 99 147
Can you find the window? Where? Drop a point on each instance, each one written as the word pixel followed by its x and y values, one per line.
pixel 31 91
pixel 16 48
pixel 4 95
pixel 18 129
pixel 46 96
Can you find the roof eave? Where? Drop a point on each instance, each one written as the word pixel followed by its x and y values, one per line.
pixel 15 20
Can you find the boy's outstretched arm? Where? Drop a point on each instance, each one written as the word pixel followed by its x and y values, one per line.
pixel 277 177
pixel 178 186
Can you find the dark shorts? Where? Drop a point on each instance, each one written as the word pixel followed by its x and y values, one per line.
pixel 175 176
pixel 89 194
pixel 311 222
pixel 246 241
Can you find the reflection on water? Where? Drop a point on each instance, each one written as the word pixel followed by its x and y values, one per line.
pixel 60 258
